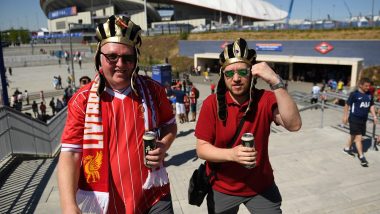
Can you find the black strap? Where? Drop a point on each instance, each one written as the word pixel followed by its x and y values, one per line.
pixel 229 145
pixel 214 166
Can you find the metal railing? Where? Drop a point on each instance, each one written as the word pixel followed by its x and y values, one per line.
pixel 21 134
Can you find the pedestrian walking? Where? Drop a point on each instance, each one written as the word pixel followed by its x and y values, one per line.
pixel 35 109
pixel 358 105
pixel 180 104
pixel 59 82
pixel 42 96
pixel 315 94
pixel 194 95
pixel 43 109
pixel 26 96
pixel 80 61
pixel 58 105
pixel 52 106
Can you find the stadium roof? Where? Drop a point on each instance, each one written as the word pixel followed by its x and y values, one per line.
pixel 255 9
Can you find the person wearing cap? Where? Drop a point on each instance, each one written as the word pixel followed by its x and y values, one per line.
pixel 243 175
pixel 102 166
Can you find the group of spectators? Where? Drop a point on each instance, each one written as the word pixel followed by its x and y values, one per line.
pixel 39 108
pixel 319 92
pixel 183 96
pixel 56 106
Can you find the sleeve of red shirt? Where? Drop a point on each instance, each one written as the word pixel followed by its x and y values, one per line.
pixel 205 128
pixel 73 131
pixel 271 103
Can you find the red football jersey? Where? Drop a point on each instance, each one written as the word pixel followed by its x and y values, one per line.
pixel 124 130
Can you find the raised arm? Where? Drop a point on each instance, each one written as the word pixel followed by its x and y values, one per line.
pixel 287 113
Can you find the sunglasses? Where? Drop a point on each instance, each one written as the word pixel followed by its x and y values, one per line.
pixel 113 58
pixel 241 72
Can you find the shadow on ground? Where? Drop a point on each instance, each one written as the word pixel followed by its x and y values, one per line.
pixel 25 187
pixel 182 158
pixel 185 133
pixel 367 143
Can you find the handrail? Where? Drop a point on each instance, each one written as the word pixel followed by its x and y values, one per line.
pixel 21 134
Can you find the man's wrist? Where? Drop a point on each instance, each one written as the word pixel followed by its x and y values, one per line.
pixel 278 83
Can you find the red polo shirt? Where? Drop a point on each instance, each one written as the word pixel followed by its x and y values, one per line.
pixel 233 178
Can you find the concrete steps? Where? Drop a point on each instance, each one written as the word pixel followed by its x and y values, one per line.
pixel 21 190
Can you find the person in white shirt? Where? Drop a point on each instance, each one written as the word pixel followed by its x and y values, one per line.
pixel 315 93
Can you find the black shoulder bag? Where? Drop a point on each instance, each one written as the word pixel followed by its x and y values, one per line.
pixel 200 184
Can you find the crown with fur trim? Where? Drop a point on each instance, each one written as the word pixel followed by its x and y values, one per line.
pixel 233 53
pixel 237 52
pixel 118 29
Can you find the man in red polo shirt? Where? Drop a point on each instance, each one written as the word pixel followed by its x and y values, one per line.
pixel 243 174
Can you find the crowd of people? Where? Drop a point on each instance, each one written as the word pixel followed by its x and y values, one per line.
pixel 183 96
pixel 21 101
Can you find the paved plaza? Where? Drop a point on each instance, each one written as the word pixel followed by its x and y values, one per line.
pixel 311 171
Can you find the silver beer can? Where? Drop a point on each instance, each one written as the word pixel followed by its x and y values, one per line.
pixel 248 140
pixel 149 138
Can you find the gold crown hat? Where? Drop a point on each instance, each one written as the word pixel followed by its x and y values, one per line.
pixel 235 52
pixel 118 29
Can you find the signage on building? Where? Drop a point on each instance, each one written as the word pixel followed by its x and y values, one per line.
pixel 323 47
pixel 268 46
pixel 68 11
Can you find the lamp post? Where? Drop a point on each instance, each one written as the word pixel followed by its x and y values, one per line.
pixel 4 99
pixel 373 17
pixel 146 18
pixel 71 56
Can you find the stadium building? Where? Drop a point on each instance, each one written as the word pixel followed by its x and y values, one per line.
pixel 83 15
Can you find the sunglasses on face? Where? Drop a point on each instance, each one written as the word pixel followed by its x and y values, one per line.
pixel 241 72
pixel 113 58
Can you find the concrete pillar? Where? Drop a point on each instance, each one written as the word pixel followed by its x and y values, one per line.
pixel 291 71
pixel 355 69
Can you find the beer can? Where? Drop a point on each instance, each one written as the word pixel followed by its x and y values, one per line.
pixel 247 140
pixel 149 138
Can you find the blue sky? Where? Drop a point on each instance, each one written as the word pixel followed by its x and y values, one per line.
pixel 319 9
pixel 28 13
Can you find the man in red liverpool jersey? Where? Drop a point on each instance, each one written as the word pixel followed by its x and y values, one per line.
pixel 243 174
pixel 102 166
